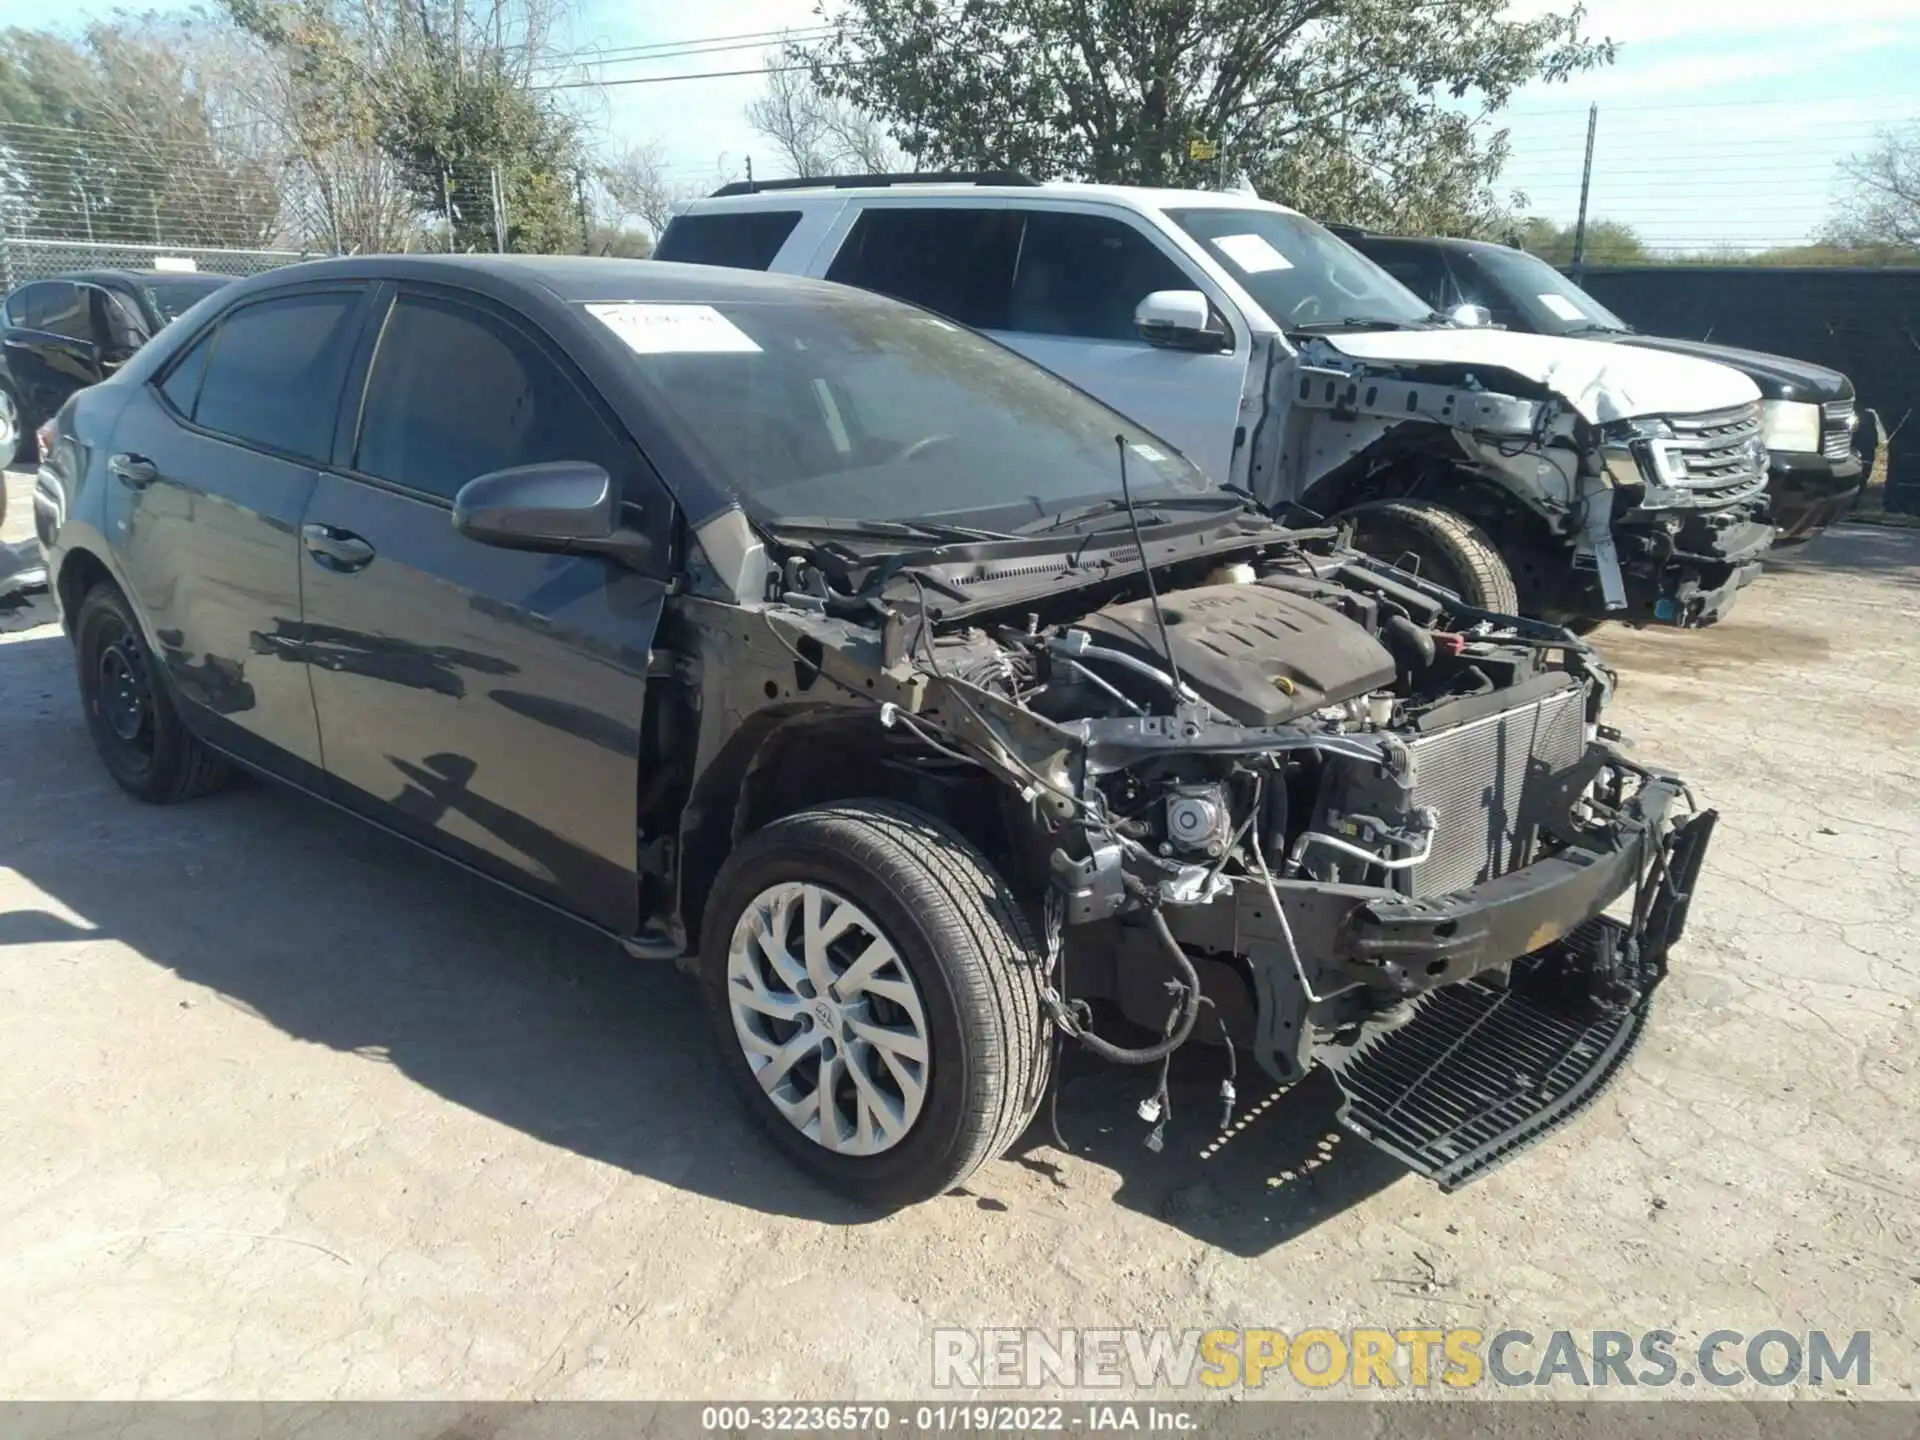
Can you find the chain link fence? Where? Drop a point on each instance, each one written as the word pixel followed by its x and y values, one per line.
pixel 23 260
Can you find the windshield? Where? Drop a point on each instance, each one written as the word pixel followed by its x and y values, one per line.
pixel 857 408
pixel 1550 303
pixel 173 297
pixel 1302 274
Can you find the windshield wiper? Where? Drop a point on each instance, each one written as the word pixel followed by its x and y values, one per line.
pixel 1598 330
pixel 889 529
pixel 1356 322
pixel 1112 504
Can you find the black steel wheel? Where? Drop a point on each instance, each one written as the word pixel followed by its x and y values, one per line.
pixel 135 728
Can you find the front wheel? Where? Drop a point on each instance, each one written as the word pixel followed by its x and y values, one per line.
pixel 1437 544
pixel 876 990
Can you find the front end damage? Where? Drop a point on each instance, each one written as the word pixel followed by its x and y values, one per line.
pixel 1369 827
pixel 1603 509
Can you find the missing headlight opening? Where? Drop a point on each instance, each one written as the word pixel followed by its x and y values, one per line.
pixel 1306 808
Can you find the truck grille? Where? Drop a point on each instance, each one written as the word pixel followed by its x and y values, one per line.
pixel 1478 779
pixel 1837 430
pixel 1722 449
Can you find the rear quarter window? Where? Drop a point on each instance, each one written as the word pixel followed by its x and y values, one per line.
pixel 743 240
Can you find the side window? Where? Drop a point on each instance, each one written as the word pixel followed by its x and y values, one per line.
pixel 743 239
pixel 20 306
pixel 1422 271
pixel 1478 288
pixel 457 392
pixel 182 383
pixel 1084 275
pixel 272 374
pixel 956 262
pixel 58 308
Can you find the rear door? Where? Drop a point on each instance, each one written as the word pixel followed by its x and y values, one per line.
pixel 487 702
pixel 211 468
pixel 50 346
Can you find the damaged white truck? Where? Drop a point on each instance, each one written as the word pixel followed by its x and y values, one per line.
pixel 1561 479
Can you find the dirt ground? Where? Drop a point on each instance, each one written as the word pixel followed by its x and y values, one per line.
pixel 290 1110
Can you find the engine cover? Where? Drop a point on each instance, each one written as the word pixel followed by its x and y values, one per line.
pixel 1258 655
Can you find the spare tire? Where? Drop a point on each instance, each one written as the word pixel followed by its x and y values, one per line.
pixel 1436 544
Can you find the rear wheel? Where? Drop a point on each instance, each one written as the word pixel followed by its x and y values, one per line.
pixel 13 442
pixel 876 989
pixel 1436 544
pixel 135 728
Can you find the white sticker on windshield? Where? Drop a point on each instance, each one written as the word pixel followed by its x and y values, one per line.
pixel 1152 454
pixel 1252 253
pixel 1561 306
pixel 673 329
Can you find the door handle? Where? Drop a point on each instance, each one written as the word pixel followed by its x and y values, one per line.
pixel 136 472
pixel 336 549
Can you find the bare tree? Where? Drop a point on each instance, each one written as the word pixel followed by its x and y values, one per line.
pixel 636 187
pixel 814 133
pixel 1882 206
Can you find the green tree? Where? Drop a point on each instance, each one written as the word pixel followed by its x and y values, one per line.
pixel 444 89
pixel 116 135
pixel 1609 242
pixel 1370 111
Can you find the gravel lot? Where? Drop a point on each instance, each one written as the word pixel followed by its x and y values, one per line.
pixel 289 1109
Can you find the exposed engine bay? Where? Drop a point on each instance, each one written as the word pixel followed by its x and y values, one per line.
pixel 1266 792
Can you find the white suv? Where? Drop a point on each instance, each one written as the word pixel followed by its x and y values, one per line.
pixel 1567 479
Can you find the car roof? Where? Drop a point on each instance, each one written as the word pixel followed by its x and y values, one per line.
pixel 1132 197
pixel 568 278
pixel 1438 242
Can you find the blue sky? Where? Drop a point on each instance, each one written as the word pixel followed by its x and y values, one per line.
pixel 1724 121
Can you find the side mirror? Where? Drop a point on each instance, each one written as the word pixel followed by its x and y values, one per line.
pixel 1179 320
pixel 1476 317
pixel 566 507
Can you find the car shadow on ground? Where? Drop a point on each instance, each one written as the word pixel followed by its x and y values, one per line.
pixel 1889 550
pixel 342 936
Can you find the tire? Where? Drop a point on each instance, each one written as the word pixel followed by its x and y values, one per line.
pixel 964 976
pixel 1444 547
pixel 16 436
pixel 130 714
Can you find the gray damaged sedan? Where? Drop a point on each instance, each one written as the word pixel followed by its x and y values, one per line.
pixel 935 715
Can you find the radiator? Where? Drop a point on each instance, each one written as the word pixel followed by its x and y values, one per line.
pixel 1474 778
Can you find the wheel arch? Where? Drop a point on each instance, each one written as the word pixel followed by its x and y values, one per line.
pixel 782 761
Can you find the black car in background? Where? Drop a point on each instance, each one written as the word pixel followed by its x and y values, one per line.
pixel 73 330
pixel 1820 452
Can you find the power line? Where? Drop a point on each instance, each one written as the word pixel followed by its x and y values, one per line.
pixel 703 75
pixel 622 55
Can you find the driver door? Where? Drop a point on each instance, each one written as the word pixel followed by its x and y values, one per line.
pixel 486 702
pixel 1078 280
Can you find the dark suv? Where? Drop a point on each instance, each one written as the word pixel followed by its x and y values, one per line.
pixel 73 330
pixel 1819 452
pixel 909 695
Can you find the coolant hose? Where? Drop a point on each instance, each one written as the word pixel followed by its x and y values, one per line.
pixel 1183 1022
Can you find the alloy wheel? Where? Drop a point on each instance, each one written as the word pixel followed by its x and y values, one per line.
pixel 829 1018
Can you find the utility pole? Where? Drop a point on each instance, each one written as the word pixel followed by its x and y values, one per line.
pixel 580 198
pixel 1586 185
pixel 446 200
